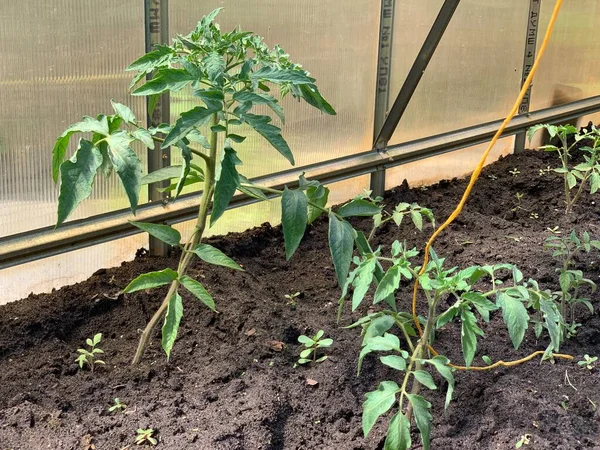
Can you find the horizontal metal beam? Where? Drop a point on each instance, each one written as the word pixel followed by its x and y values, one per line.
pixel 45 242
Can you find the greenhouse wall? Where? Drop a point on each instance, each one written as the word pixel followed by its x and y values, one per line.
pixel 66 58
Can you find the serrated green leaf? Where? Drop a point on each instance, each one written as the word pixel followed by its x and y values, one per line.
pixel 124 112
pixel 441 365
pixel 516 318
pixel 447 316
pixel 188 121
pixel 362 281
pixel 398 433
pixel 394 361
pixel 388 284
pixel 553 321
pixel 226 185
pixel 163 233
pixel 151 59
pixel 87 125
pixel 417 219
pixel 421 411
pixel 151 280
pixel 377 403
pixel 166 173
pixel 424 377
pixel 481 303
pixel 77 177
pixel 212 98
pixel 384 343
pixel 294 217
pixel 214 65
pixel 165 79
pixel 359 207
pixel 127 165
pixel 313 97
pixel 571 180
pixel 213 255
pixel 271 133
pixel 319 196
pixel 280 75
pixel 594 182
pixel 198 290
pixel 260 99
pixel 186 156
pixel 469 333
pixel 144 137
pixel 341 245
pixel 171 324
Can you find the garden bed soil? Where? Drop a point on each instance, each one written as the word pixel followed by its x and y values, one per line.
pixel 230 382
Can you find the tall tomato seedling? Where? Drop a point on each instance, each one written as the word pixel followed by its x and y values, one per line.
pixel 229 74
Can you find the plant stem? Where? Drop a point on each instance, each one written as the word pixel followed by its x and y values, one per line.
pixel 186 256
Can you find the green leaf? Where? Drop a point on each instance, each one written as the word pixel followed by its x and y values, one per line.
pixel 377 403
pixel 278 75
pixel 319 196
pixel 165 79
pixel 481 303
pixel 594 182
pixel 441 365
pixel 469 332
pixel 417 219
pixel 166 173
pixel 552 318
pixel 421 408
pixel 226 185
pixel 424 377
pixel 151 280
pixel 161 232
pixel 144 137
pixel 571 180
pixel 385 343
pixel 186 155
pixel 87 125
pixel 77 178
pixel 214 65
pixel 260 99
pixel 313 97
pixel 213 255
pixel 172 321
pixel 447 316
pixel 186 123
pixel 394 361
pixel 359 207
pixel 271 133
pixel 516 318
pixel 308 342
pixel 198 290
pixel 124 112
pixel 151 60
pixel 341 245
pixel 388 284
pixel 362 281
pixel 534 129
pixel 127 165
pixel 398 433
pixel 294 217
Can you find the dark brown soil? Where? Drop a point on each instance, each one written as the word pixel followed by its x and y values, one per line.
pixel 229 386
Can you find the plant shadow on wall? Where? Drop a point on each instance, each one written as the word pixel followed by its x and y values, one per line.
pixel 230 74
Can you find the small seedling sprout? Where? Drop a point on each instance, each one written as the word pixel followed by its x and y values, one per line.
pixel 88 357
pixel 588 362
pixel 309 354
pixel 117 406
pixel 145 436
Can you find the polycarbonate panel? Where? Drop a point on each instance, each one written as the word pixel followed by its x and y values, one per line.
pixel 61 59
pixel 474 75
pixel 459 163
pixel 336 43
pixel 241 219
pixel 570 68
pixel 52 273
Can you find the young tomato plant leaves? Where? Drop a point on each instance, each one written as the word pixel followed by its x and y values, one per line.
pixel 171 324
pixel 127 165
pixel 77 178
pixel 388 284
pixel 226 185
pixel 151 280
pixel 394 361
pixel 294 217
pixel 124 112
pixel 162 232
pixel 377 403
pixel 319 196
pixel 362 281
pixel 166 79
pixel 469 333
pixel 441 365
pixel 270 132
pixel 515 316
pixel 341 245
pixel 421 409
pixel 188 121
pixel 213 255
pixel 425 378
pixel 312 96
pixel 198 290
pixel 359 207
pixel 398 433
pixel 255 98
pixel 166 173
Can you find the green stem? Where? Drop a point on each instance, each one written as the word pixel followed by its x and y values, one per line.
pixel 186 255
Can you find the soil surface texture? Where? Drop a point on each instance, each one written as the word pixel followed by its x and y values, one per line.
pixel 231 383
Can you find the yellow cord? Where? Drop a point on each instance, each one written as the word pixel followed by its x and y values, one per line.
pixel 472 181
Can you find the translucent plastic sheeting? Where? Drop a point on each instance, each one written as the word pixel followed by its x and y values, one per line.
pixel 241 219
pixel 69 268
pixel 336 42
pixel 459 163
pixel 60 60
pixel 570 69
pixel 474 75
